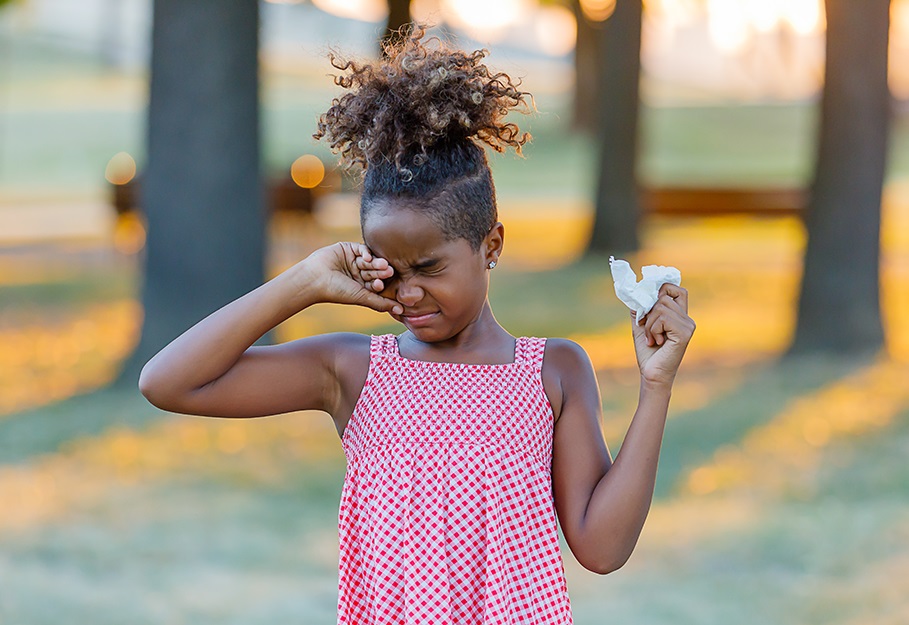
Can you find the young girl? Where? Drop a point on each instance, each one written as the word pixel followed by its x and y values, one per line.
pixel 462 441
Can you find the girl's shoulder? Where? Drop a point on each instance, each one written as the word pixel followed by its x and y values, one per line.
pixel 340 343
pixel 346 347
pixel 564 355
pixel 565 366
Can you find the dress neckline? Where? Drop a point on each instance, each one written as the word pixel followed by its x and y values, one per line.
pixel 396 352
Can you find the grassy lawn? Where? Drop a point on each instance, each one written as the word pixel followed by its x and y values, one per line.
pixel 780 496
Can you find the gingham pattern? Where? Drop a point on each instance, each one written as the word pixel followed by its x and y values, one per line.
pixel 446 513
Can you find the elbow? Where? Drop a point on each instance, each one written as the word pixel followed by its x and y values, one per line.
pixel 152 389
pixel 608 565
pixel 608 560
pixel 605 566
pixel 147 387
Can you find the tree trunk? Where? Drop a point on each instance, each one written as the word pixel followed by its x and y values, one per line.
pixel 617 205
pixel 586 68
pixel 201 190
pixel 839 305
pixel 398 17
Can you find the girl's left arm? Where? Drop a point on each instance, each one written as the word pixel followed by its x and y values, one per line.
pixel 602 505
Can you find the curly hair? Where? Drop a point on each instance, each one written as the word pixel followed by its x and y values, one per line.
pixel 415 122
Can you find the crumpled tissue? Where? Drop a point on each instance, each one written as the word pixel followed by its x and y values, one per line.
pixel 641 296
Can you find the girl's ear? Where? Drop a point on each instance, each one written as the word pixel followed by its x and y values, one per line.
pixel 493 243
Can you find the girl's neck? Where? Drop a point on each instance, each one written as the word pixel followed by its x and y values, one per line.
pixel 483 341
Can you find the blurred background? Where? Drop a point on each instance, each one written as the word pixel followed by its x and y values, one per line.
pixel 156 161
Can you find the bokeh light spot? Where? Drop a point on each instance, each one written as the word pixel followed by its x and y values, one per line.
pixel 307 171
pixel 121 168
pixel 597 10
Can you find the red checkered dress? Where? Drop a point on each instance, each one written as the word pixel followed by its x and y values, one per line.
pixel 446 512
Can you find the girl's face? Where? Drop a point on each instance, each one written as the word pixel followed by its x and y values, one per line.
pixel 441 283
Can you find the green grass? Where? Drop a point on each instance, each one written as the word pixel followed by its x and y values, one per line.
pixel 821 558
pixel 693 437
pixel 185 551
pixel 215 543
pixel 224 547
pixel 66 291
pixel 32 433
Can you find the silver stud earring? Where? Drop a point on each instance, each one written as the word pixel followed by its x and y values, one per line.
pixel 492 264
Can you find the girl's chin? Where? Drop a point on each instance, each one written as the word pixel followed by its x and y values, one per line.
pixel 427 334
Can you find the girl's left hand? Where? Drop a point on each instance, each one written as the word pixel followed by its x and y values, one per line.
pixel 663 335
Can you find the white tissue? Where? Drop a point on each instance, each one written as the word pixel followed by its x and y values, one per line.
pixel 641 296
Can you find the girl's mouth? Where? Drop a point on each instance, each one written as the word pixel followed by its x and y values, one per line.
pixel 419 320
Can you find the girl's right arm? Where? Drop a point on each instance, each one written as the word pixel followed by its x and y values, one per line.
pixel 213 369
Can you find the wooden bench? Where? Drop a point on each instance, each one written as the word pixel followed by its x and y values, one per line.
pixel 705 201
pixel 285 196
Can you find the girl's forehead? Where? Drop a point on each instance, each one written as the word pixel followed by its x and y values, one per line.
pixel 389 218
pixel 401 228
pixel 409 240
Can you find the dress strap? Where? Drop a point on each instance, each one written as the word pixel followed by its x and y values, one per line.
pixel 383 345
pixel 529 350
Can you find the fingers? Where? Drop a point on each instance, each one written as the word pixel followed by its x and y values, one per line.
pixel 381 304
pixel 370 263
pixel 677 293
pixel 372 271
pixel 363 252
pixel 669 314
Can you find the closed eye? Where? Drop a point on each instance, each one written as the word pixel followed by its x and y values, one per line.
pixel 428 266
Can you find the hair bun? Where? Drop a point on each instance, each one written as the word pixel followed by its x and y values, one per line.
pixel 424 93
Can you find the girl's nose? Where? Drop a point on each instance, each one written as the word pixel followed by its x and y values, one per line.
pixel 408 294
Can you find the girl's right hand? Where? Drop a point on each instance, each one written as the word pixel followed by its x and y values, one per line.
pixel 348 273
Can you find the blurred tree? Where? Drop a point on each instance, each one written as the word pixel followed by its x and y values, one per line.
pixel 201 190
pixel 586 64
pixel 839 304
pixel 398 18
pixel 616 75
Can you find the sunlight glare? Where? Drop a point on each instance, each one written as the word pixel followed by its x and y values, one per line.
pixel 899 17
pixel 764 15
pixel 728 24
pixel 899 49
pixel 484 15
pixel 425 11
pixel 363 10
pixel 555 29
pixel 672 13
pixel 804 16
